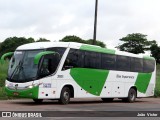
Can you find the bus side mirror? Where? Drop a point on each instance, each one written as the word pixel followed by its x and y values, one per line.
pixel 6 55
pixel 40 55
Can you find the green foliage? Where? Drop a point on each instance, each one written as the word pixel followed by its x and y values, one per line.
pixel 72 39
pixel 155 51
pixel 135 43
pixel 99 43
pixel 157 88
pixel 79 40
pixel 3 73
pixel 10 44
pixel 42 40
pixel 3 94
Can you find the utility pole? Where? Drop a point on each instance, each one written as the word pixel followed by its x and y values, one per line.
pixel 95 22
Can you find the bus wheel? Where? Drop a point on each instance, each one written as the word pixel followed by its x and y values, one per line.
pixel 131 95
pixel 107 99
pixel 65 96
pixel 38 100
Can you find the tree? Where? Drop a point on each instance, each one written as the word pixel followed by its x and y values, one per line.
pixel 155 51
pixel 98 43
pixel 79 40
pixel 135 43
pixel 42 40
pixel 72 38
pixel 10 44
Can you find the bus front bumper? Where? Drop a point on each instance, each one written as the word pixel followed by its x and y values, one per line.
pixel 26 93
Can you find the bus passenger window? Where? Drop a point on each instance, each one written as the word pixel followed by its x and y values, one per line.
pixel 92 60
pixel 136 65
pixel 123 63
pixel 108 61
pixel 148 66
pixel 74 59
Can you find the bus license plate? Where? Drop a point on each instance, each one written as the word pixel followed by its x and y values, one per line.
pixel 16 93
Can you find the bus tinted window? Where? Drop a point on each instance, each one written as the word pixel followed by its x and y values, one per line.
pixel 74 59
pixel 87 59
pixel 92 60
pixel 136 65
pixel 108 61
pixel 60 50
pixel 148 65
pixel 123 63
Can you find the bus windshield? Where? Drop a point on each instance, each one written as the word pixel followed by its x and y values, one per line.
pixel 22 67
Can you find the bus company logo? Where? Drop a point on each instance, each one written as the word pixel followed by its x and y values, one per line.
pixel 16 86
pixel 6 114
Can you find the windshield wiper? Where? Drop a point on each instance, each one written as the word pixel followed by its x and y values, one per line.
pixel 23 73
pixel 15 70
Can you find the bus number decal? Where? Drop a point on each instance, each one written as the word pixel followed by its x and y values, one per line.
pixel 46 85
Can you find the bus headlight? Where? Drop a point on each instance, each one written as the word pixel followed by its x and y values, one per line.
pixel 33 85
pixel 30 86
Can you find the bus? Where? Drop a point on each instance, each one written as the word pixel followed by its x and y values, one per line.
pixel 64 70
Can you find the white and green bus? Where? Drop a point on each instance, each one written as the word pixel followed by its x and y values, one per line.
pixel 64 70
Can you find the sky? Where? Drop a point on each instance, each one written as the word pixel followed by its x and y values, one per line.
pixel 54 19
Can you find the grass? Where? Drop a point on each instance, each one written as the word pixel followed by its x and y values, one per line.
pixel 2 94
pixel 157 88
pixel 3 75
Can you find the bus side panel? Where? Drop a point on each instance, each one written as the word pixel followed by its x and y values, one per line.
pixel 47 88
pixel 151 86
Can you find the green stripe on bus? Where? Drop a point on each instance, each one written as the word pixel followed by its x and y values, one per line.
pixel 148 58
pixel 97 49
pixel 91 80
pixel 142 81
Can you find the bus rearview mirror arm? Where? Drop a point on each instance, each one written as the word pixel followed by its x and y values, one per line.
pixel 5 55
pixel 39 56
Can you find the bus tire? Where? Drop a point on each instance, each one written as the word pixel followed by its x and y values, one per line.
pixel 132 94
pixel 38 100
pixel 65 96
pixel 107 99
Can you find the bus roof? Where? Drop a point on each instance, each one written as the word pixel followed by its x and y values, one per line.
pixel 74 45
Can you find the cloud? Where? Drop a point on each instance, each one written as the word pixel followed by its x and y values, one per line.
pixel 54 19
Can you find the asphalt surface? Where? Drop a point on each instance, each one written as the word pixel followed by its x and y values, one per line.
pixel 83 107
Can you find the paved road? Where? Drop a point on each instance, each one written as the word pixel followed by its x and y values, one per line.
pixel 91 105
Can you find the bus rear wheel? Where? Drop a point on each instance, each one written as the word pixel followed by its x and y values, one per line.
pixel 107 99
pixel 132 94
pixel 65 96
pixel 38 100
